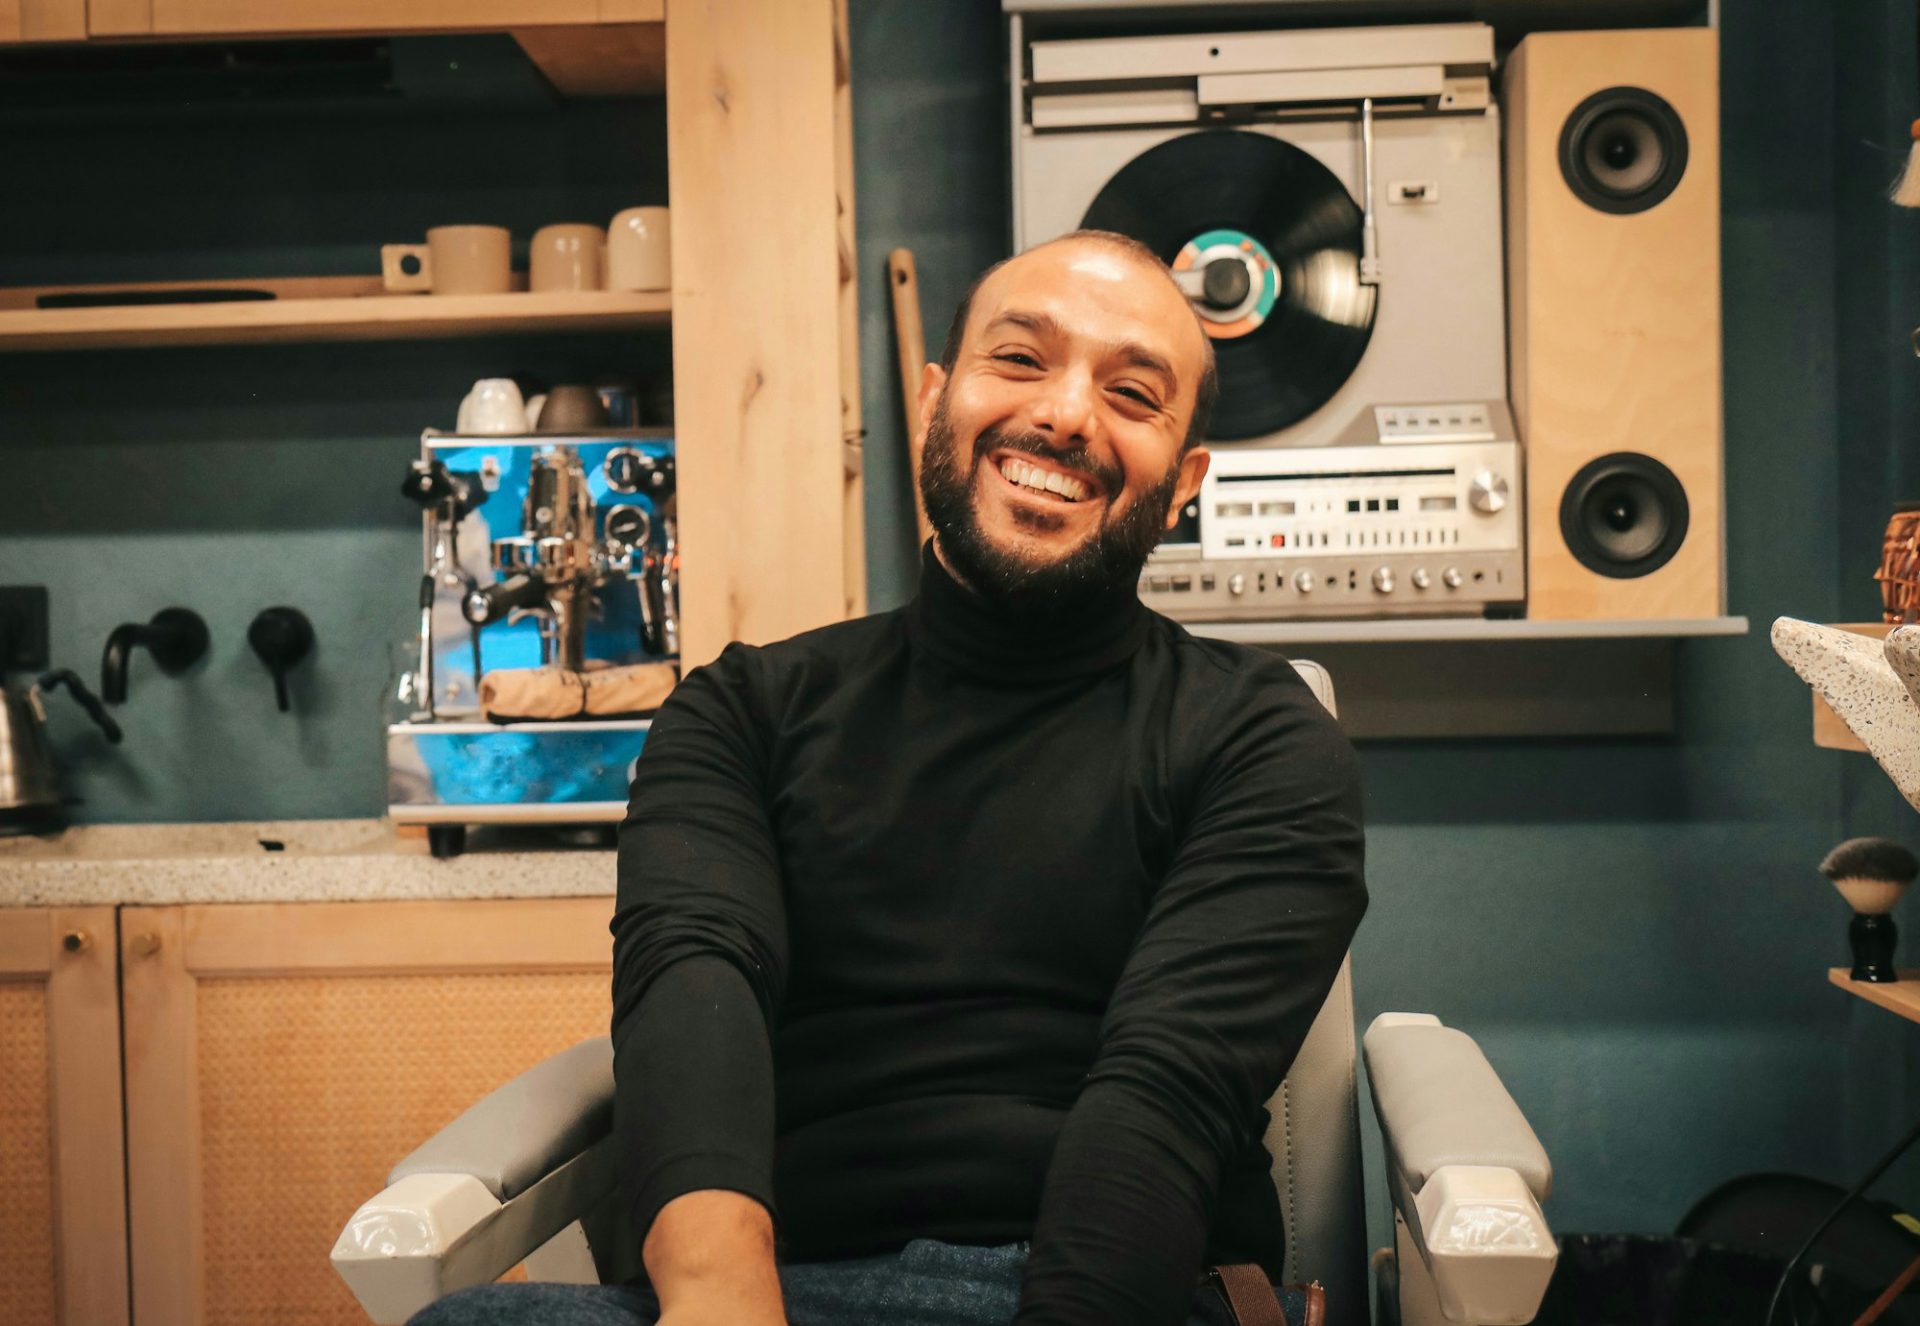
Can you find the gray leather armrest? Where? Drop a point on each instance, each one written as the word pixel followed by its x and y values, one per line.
pixel 1440 1103
pixel 526 1128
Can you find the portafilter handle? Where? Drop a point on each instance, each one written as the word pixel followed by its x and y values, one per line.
pixel 486 604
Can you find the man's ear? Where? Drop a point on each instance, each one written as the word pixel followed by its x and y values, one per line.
pixel 1193 468
pixel 933 380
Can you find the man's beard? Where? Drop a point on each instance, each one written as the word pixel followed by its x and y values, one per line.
pixel 1104 563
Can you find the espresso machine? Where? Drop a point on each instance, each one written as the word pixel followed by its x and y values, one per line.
pixel 546 559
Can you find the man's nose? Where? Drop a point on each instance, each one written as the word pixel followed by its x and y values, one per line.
pixel 1065 410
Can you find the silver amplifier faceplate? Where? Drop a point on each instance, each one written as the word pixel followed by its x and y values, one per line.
pixel 1406 525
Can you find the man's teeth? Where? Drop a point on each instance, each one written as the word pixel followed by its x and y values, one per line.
pixel 1046 481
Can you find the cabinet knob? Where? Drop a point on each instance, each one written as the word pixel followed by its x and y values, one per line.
pixel 76 941
pixel 146 943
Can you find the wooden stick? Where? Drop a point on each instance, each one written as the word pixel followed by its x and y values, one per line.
pixel 1893 1291
pixel 911 342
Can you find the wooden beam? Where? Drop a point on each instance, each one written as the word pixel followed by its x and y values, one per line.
pixel 612 60
pixel 753 159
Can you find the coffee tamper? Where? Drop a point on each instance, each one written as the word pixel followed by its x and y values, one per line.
pixel 281 637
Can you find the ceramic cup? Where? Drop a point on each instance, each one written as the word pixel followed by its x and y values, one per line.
pixel 455 260
pixel 567 257
pixel 535 403
pixel 493 409
pixel 572 408
pixel 639 254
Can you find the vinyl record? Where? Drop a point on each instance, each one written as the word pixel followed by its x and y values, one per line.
pixel 1277 238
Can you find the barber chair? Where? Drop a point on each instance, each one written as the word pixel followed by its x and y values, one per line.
pixel 529 1174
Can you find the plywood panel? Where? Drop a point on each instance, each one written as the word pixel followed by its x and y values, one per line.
pixel 89 1159
pixel 1615 319
pixel 753 159
pixel 163 1121
pixel 521 934
pixel 63 1246
pixel 262 17
pixel 43 20
pixel 611 60
pixel 119 18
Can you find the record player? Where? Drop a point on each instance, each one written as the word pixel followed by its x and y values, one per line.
pixel 1330 201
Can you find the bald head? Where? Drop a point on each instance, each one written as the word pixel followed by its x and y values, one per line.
pixel 1104 258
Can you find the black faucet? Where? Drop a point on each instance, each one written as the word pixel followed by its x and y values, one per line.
pixel 176 637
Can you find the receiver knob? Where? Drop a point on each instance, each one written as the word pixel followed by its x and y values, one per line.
pixel 1236 584
pixel 1488 493
pixel 1303 581
pixel 1451 577
pixel 1383 580
pixel 1420 578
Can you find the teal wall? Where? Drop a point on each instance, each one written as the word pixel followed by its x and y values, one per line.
pixel 1634 929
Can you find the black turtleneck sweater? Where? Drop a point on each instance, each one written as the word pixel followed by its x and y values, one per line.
pixel 941 924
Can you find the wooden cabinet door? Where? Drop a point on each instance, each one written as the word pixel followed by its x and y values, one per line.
pixel 280 1058
pixel 63 1219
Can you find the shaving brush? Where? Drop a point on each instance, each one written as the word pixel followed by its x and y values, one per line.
pixel 1871 874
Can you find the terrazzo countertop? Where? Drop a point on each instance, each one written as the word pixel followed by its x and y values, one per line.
pixel 294 861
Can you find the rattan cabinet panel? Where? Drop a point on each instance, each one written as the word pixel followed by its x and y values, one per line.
pixel 280 1058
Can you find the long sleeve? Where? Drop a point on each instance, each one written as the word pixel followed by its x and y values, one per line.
pixel 1242 941
pixel 699 952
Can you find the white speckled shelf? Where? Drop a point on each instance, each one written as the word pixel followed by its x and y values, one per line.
pixel 314 861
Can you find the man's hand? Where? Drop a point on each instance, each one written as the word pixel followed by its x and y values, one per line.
pixel 709 1256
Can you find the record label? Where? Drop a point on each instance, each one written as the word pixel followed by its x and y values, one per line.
pixel 1266 242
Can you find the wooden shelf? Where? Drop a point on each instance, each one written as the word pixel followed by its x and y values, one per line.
pixel 1429 629
pixel 1901 996
pixel 349 308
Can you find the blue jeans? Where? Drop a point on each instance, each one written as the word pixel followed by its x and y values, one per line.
pixel 926 1283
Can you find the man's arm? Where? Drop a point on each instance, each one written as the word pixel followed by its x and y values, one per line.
pixel 1241 944
pixel 699 963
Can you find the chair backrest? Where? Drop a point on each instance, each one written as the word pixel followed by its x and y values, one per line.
pixel 1314 1137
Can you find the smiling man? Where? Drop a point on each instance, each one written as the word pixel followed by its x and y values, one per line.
pixel 958 948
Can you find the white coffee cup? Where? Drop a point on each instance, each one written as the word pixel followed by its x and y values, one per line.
pixel 639 251
pixel 535 404
pixel 566 257
pixel 493 409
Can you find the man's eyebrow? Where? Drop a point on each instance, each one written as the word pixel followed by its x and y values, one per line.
pixel 1131 352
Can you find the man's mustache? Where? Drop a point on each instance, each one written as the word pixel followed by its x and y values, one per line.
pixel 1110 478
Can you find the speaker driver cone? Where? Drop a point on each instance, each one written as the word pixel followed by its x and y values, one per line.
pixel 1623 150
pixel 1624 515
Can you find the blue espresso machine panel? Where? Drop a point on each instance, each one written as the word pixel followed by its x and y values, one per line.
pixel 447 765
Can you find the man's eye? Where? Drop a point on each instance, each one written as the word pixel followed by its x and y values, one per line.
pixel 1016 357
pixel 1139 396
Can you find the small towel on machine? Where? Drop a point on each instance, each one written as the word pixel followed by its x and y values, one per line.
pixel 509 695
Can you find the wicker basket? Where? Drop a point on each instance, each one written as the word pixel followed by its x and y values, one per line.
pixel 1899 573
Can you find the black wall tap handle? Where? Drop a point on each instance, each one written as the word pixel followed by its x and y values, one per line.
pixel 176 637
pixel 281 637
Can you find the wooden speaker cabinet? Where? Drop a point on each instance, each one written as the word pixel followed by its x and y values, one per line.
pixel 1613 286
